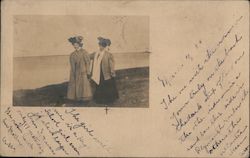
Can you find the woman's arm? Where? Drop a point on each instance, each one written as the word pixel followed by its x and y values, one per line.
pixel 72 64
pixel 112 65
pixel 87 63
pixel 91 57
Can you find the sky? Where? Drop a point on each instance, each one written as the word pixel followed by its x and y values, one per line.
pixel 43 35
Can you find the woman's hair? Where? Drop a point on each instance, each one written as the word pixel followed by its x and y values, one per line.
pixel 104 42
pixel 76 39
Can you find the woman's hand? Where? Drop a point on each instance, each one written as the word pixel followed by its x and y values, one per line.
pixel 88 76
pixel 112 74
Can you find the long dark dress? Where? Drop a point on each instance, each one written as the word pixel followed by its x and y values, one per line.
pixel 106 92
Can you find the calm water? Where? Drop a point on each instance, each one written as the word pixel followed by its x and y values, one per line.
pixel 34 72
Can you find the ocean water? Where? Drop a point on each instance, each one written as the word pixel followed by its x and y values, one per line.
pixel 35 72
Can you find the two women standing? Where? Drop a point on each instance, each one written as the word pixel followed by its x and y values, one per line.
pixel 101 72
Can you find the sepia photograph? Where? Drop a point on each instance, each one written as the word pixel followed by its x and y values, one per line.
pixel 81 60
pixel 143 78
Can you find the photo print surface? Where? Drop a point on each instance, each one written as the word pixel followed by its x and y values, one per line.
pixel 81 60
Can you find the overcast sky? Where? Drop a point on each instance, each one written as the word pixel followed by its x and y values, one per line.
pixel 42 35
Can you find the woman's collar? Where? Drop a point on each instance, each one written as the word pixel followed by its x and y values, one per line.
pixel 79 50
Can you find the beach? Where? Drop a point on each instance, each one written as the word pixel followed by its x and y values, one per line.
pixel 132 85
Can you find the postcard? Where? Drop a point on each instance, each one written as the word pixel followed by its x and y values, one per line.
pixel 124 78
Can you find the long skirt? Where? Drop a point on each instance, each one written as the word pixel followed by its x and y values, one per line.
pixel 79 88
pixel 106 92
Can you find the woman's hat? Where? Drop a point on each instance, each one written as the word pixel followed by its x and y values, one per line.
pixel 104 41
pixel 76 39
pixel 108 42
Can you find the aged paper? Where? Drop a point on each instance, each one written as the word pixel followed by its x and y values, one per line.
pixel 181 71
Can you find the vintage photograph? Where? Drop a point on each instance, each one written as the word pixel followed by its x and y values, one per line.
pixel 81 60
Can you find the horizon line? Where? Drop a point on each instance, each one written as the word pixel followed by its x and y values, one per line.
pixel 142 52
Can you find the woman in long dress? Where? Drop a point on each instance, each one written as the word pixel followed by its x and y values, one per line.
pixel 79 88
pixel 103 74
